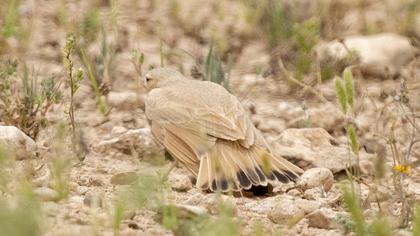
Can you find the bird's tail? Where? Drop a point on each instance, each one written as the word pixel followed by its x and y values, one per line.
pixel 230 166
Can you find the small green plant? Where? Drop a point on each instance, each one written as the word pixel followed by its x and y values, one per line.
pixel 272 17
pixel 214 70
pixel 75 78
pixel 380 227
pixel 148 192
pixel 100 102
pixel 90 26
pixel 407 23
pixel 223 224
pixel 12 26
pixel 416 221
pixel 187 223
pixel 118 215
pixel 98 70
pixel 5 162
pixel 137 58
pixel 24 217
pixel 11 20
pixel 170 217
pixel 20 212
pixel 305 36
pixel 352 204
pixel 24 101
pixel 60 163
pixel 345 94
pixel 284 30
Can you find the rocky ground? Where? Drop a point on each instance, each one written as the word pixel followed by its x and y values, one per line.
pixel 301 120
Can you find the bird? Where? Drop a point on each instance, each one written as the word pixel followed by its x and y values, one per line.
pixel 206 129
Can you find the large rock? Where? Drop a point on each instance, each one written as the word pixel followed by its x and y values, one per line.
pixel 313 147
pixel 380 55
pixel 16 142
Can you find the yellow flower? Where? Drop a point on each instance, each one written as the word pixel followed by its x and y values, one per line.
pixel 403 169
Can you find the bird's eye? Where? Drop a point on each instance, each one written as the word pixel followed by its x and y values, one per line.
pixel 148 79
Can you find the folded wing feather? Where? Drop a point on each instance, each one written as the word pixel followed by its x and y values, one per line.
pixel 224 151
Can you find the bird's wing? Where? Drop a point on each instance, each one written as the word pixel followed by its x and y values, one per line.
pixel 226 120
pixel 214 139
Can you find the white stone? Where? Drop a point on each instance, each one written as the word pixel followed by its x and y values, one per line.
pixel 17 143
pixel 380 55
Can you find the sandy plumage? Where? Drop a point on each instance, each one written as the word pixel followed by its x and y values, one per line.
pixel 207 130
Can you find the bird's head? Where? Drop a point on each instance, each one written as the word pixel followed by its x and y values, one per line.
pixel 161 77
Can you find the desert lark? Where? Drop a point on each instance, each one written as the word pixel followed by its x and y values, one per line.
pixel 206 129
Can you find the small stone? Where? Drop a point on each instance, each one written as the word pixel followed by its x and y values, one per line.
pixel 196 210
pixel 96 182
pixel 283 211
pixel 76 199
pixel 322 218
pixel 133 225
pixel 195 199
pixel 118 130
pixel 307 206
pixel 373 146
pixel 212 202
pixel 294 192
pixel 317 177
pixel 180 182
pixel 46 194
pixel 81 190
pixel 124 178
pixel 282 208
pixel 313 193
